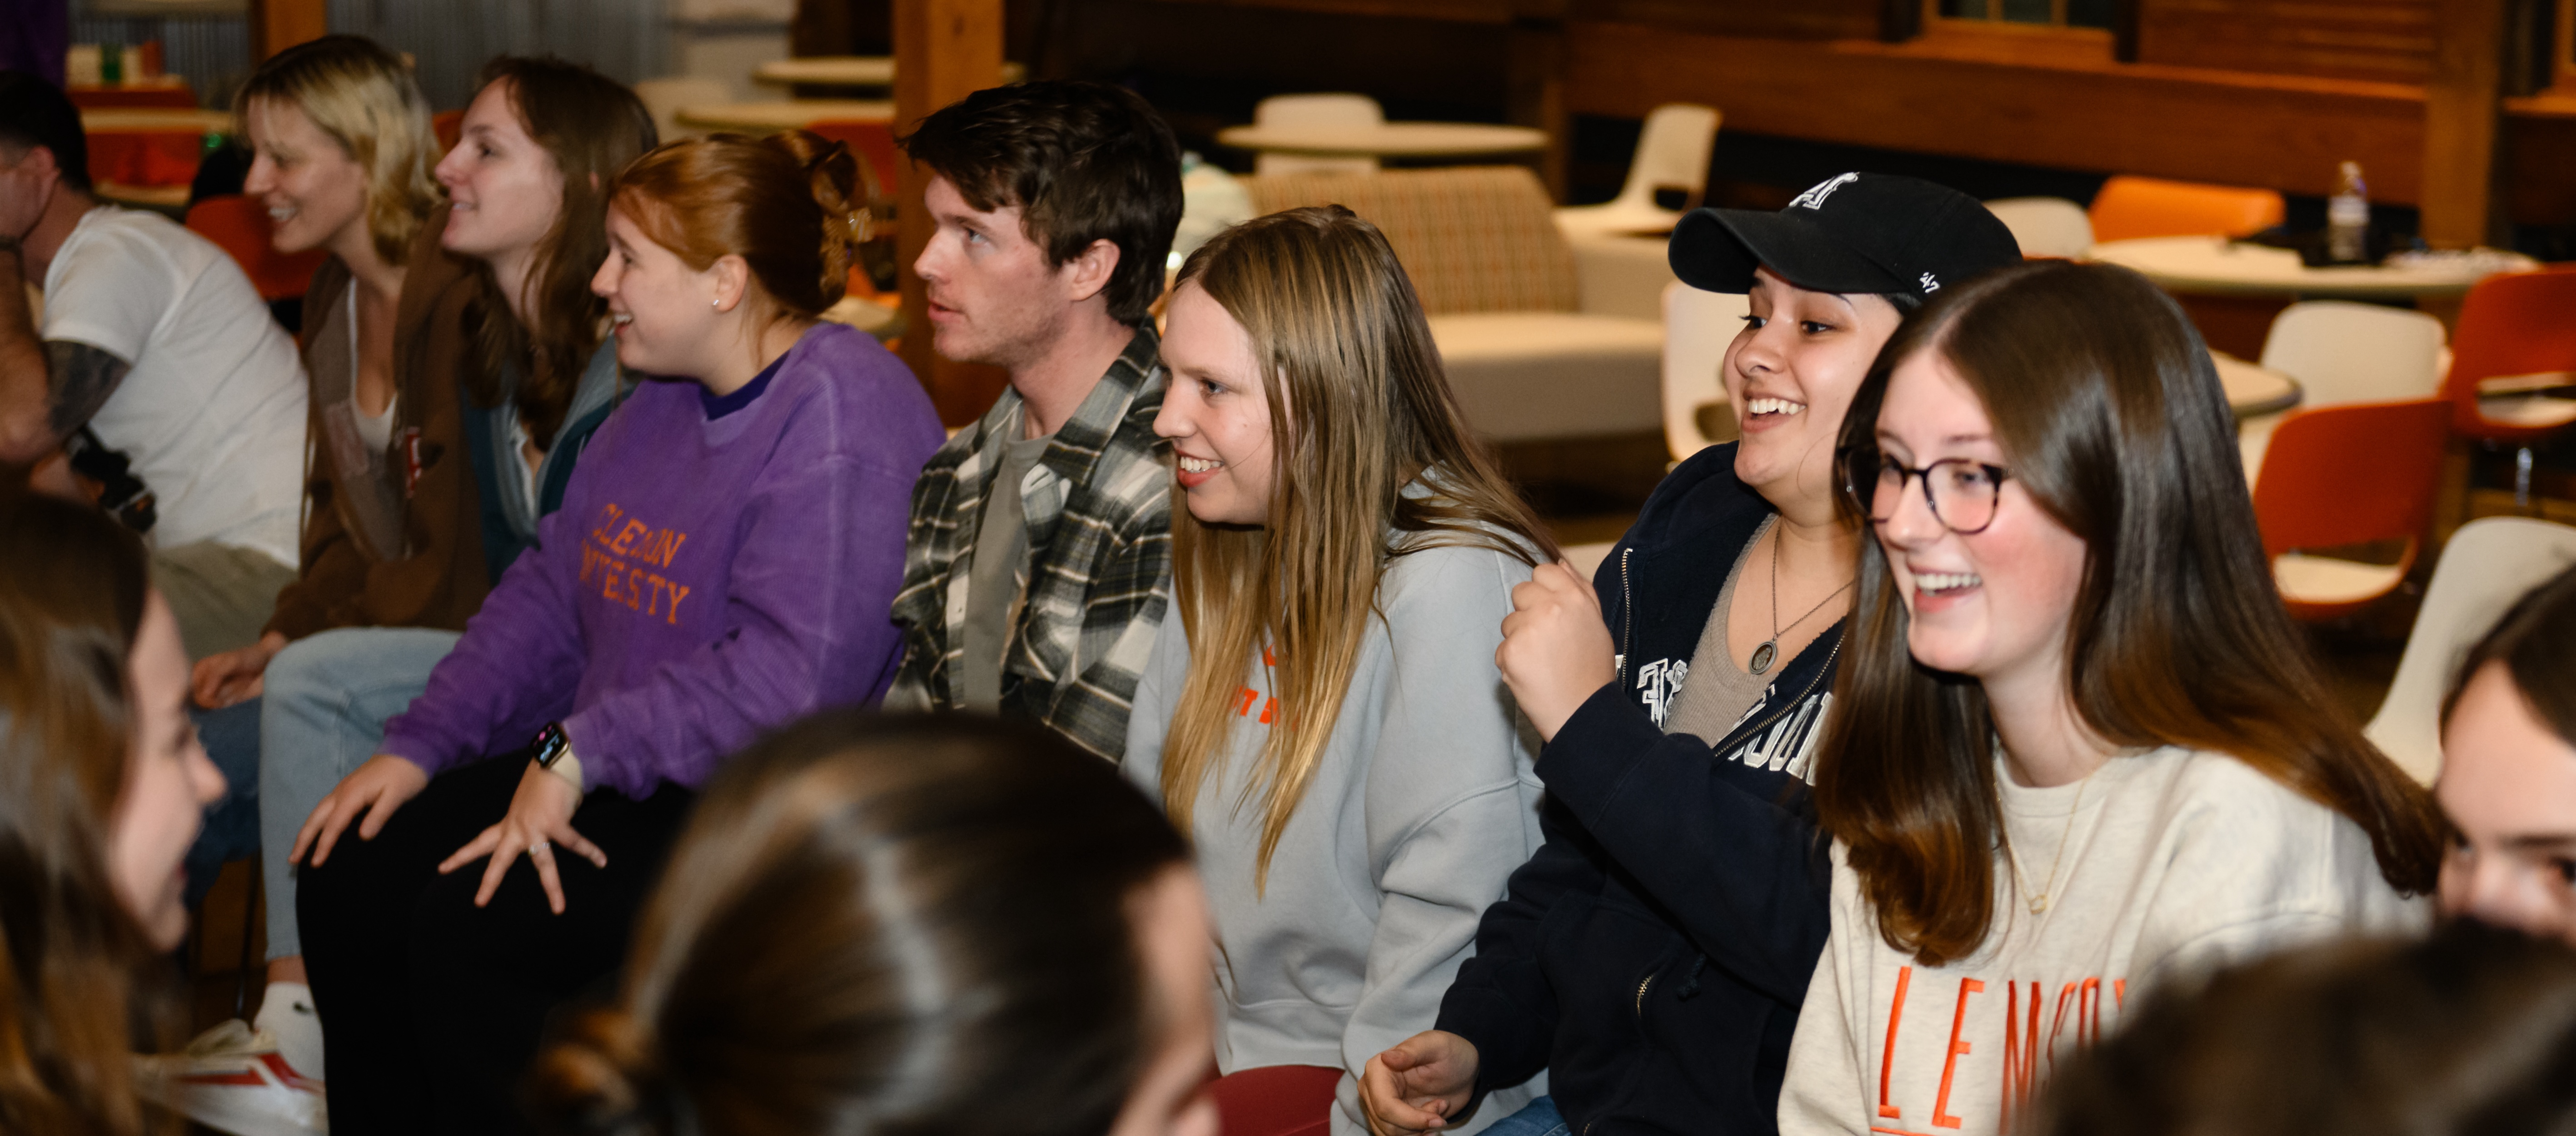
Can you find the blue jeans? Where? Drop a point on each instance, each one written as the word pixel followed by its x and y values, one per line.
pixel 1537 1118
pixel 231 831
pixel 327 698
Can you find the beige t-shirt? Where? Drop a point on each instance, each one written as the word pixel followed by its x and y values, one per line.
pixel 1717 693
pixel 995 588
pixel 2174 862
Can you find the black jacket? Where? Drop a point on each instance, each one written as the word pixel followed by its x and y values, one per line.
pixel 1653 955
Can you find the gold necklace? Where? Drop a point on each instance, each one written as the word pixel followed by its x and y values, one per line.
pixel 2039 899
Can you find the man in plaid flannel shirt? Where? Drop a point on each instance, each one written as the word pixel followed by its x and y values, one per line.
pixel 1038 564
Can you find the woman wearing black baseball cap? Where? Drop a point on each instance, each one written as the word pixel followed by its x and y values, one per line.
pixel 1653 955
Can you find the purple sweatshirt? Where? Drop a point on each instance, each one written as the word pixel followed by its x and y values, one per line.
pixel 705 580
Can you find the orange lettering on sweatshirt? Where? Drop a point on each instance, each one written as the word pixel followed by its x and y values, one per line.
pixel 2021 1051
pixel 1887 1063
pixel 1941 1117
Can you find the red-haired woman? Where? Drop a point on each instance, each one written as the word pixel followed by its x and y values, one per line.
pixel 722 564
pixel 2080 748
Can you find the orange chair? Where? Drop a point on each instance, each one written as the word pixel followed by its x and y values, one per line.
pixel 449 125
pixel 2131 207
pixel 240 226
pixel 2521 323
pixel 2342 475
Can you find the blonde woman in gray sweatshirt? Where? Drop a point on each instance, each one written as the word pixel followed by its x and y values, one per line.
pixel 1324 718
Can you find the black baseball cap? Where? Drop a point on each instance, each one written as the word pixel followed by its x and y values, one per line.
pixel 1849 233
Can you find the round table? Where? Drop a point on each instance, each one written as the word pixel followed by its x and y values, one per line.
pixel 847 71
pixel 2253 391
pixel 2217 266
pixel 1388 139
pixel 784 114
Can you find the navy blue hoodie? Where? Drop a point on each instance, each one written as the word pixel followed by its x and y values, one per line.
pixel 1653 955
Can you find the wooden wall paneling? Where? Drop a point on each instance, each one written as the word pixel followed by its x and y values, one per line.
pixel 945 50
pixel 276 25
pixel 2389 40
pixel 2282 132
pixel 2462 115
pixel 1810 20
pixel 1534 84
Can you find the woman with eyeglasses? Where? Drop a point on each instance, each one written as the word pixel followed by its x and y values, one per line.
pixel 2080 751
pixel 1652 956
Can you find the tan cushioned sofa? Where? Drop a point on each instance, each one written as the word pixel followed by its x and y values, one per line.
pixel 1543 338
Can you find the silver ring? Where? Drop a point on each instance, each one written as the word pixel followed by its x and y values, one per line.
pixel 542 848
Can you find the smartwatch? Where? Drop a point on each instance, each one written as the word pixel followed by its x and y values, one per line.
pixel 552 750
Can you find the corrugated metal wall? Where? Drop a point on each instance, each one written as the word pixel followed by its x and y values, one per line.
pixel 212 51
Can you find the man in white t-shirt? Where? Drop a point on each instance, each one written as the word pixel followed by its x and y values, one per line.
pixel 156 363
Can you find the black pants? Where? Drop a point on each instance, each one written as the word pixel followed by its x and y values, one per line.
pixel 431 1007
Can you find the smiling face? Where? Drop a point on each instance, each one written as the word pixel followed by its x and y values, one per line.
pixel 507 188
pixel 666 315
pixel 1791 374
pixel 168 784
pixel 1995 605
pixel 1216 413
pixel 993 296
pixel 2508 786
pixel 316 194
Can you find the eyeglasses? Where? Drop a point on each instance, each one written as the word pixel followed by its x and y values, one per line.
pixel 1960 492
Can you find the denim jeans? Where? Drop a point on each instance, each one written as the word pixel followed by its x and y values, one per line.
pixel 231 831
pixel 1537 1118
pixel 323 714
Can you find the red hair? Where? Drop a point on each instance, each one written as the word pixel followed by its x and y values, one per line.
pixel 781 203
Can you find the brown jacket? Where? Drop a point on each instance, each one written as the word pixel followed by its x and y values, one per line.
pixel 440 579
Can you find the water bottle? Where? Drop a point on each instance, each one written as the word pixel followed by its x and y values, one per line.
pixel 2348 217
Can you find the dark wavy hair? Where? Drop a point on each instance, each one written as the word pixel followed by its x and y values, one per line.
pixel 883 925
pixel 591 125
pixel 79 972
pixel 2110 412
pixel 1084 162
pixel 2535 639
pixel 2472 1030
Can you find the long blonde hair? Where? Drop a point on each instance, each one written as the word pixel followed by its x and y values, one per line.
pixel 1359 409
pixel 363 97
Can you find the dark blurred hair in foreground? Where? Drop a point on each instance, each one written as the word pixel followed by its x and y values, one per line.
pixel 2472 1030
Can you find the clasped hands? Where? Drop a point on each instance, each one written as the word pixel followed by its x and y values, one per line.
pixel 539 820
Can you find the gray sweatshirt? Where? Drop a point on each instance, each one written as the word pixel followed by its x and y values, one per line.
pixel 1422 806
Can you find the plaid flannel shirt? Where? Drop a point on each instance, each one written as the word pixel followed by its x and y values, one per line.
pixel 1098 576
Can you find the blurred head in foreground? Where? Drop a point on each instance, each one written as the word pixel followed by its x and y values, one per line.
pixel 2508 783
pixel 2472 1030
pixel 887 925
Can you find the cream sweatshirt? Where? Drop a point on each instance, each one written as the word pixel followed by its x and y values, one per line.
pixel 2175 862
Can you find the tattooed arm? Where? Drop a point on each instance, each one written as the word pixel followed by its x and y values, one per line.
pixel 48 388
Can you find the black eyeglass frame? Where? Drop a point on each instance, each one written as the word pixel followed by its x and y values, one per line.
pixel 1881 462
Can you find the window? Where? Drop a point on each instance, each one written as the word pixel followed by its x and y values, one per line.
pixel 2032 13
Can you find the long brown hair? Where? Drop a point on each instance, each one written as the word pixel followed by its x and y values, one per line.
pixel 591 126
pixel 77 966
pixel 888 925
pixel 781 203
pixel 2111 413
pixel 2532 640
pixel 1359 409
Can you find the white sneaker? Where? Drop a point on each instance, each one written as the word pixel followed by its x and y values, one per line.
pixel 232 1079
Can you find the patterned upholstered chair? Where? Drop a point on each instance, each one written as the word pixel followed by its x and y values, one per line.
pixel 1544 338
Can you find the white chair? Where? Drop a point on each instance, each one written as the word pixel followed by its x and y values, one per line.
pixel 1327 111
pixel 663 98
pixel 1672 153
pixel 2342 352
pixel 2488 565
pixel 1697 327
pixel 2045 226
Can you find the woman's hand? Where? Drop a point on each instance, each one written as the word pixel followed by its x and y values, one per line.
pixel 234 676
pixel 540 817
pixel 1418 1085
pixel 1555 650
pixel 373 790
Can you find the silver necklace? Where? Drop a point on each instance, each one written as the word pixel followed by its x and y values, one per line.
pixel 1769 651
pixel 2039 899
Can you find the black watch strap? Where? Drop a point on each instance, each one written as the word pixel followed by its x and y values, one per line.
pixel 550 745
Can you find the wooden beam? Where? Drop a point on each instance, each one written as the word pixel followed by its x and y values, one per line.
pixel 276 25
pixel 944 50
pixel 2461 116
pixel 1535 85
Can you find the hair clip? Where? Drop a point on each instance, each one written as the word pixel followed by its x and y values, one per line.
pixel 862 225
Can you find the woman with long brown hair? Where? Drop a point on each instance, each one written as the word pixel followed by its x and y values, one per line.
pixel 1343 753
pixel 102 784
pixel 2081 748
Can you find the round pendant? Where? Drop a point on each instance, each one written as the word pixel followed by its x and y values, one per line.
pixel 1763 655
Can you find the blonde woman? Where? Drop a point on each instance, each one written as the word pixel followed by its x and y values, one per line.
pixel 1324 717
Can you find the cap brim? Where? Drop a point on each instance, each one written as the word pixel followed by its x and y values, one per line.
pixel 1716 250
